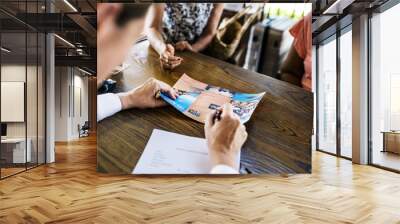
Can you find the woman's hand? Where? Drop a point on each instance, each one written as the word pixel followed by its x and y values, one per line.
pixel 225 137
pixel 184 45
pixel 147 95
pixel 168 59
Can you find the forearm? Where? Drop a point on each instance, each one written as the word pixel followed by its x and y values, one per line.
pixel 222 155
pixel 156 40
pixel 128 100
pixel 292 68
pixel 211 28
pixel 203 42
pixel 107 105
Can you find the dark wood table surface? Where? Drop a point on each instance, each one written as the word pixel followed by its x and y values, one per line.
pixel 279 132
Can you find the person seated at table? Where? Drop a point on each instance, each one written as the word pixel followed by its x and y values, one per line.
pixel 182 26
pixel 225 136
pixel 296 68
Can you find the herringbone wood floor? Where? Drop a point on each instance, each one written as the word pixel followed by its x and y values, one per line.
pixel 70 191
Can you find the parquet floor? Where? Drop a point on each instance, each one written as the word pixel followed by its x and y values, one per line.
pixel 70 191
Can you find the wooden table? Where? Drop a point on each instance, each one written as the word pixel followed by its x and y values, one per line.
pixel 279 131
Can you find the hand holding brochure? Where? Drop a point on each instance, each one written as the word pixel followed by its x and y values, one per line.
pixel 197 99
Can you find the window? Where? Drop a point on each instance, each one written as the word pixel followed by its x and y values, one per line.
pixel 22 76
pixel 314 86
pixel 335 137
pixel 346 75
pixel 327 97
pixel 385 89
pixel 15 146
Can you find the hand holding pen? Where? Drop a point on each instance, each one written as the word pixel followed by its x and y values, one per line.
pixel 225 136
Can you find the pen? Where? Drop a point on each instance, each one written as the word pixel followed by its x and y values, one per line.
pixel 217 115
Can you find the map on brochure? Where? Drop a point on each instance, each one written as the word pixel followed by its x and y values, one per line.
pixel 196 99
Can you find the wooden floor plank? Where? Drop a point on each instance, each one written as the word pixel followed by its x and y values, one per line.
pixel 71 191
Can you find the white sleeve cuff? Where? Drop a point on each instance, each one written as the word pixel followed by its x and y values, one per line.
pixel 223 169
pixel 107 105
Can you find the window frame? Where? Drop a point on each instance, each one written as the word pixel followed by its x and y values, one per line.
pixel 334 37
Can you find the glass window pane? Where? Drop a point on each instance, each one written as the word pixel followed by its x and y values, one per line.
pixel 32 87
pixel 41 99
pixel 385 114
pixel 23 86
pixel 346 94
pixel 14 153
pixel 327 97
pixel 31 97
pixel 314 72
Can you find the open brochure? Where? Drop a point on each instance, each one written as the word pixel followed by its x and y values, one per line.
pixel 197 99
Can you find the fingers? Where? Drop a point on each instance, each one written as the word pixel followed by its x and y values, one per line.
pixel 165 88
pixel 174 60
pixel 180 47
pixel 170 54
pixel 155 86
pixel 183 45
pixel 168 61
pixel 170 49
pixel 168 57
pixel 209 122
pixel 189 47
pixel 229 118
pixel 169 66
pixel 227 110
pixel 243 132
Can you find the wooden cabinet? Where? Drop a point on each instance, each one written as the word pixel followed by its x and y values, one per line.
pixel 391 142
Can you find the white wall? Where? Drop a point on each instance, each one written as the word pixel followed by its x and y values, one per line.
pixel 71 94
pixel 12 73
pixel 61 103
pixel 33 127
pixel 82 83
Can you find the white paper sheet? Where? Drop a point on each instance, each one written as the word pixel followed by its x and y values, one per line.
pixel 171 153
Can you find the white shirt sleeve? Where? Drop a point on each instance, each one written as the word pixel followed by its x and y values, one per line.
pixel 223 169
pixel 107 105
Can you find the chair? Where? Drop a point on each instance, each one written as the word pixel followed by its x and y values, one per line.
pixel 84 130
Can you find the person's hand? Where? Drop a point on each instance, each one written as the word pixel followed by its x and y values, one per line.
pixel 184 45
pixel 147 95
pixel 168 59
pixel 225 137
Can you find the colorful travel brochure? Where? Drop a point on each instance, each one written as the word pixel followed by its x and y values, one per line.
pixel 197 99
